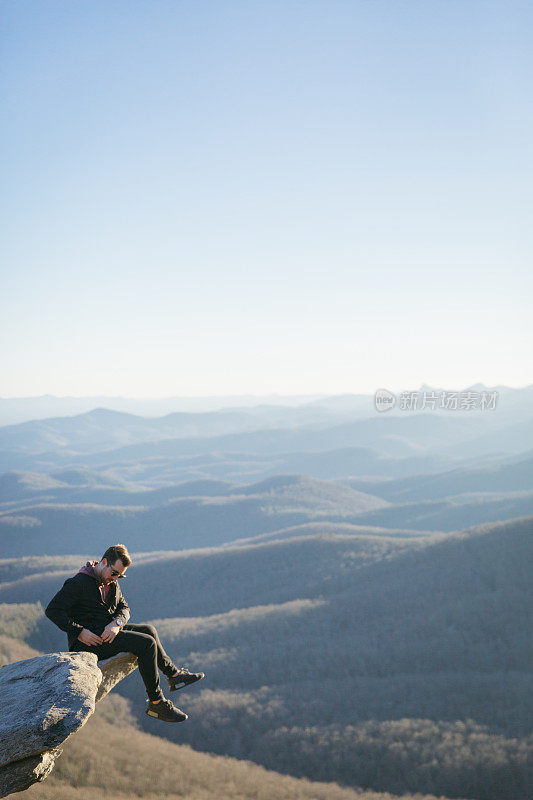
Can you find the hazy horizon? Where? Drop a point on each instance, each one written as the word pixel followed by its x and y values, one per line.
pixel 243 395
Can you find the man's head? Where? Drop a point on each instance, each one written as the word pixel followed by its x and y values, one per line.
pixel 113 563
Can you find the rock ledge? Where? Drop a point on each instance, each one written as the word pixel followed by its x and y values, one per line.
pixel 44 701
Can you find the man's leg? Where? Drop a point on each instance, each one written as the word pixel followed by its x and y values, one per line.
pixel 178 677
pixel 164 662
pixel 140 644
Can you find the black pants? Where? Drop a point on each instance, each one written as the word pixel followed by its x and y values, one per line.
pixel 142 641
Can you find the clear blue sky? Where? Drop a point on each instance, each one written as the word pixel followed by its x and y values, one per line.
pixel 293 197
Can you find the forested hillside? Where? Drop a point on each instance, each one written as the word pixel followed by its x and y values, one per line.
pixel 110 757
pixel 171 520
pixel 350 646
pixel 371 630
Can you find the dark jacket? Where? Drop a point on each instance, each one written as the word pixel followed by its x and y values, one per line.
pixel 78 604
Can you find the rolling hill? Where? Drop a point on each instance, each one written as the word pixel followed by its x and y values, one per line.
pixel 20 489
pixel 451 513
pixel 111 757
pixel 102 438
pixel 371 629
pixel 183 522
pixel 351 647
pixel 510 476
pixel 236 512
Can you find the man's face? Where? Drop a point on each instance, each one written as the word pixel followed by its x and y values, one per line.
pixel 113 571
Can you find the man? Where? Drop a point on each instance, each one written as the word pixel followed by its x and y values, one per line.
pixel 91 609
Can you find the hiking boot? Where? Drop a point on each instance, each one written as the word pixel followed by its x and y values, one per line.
pixel 183 678
pixel 165 711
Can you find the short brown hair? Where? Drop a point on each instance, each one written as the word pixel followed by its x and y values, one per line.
pixel 117 551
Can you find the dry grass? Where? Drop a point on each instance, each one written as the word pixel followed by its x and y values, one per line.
pixel 106 761
pixel 13 650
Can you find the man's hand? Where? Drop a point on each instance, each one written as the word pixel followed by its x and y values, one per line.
pixel 110 631
pixel 88 637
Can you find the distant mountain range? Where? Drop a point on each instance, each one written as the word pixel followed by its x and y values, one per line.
pixel 510 475
pixel 247 444
pixel 22 409
pixel 356 585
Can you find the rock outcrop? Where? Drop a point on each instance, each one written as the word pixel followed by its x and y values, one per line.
pixel 43 701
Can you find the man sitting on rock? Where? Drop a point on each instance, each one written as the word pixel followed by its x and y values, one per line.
pixel 91 609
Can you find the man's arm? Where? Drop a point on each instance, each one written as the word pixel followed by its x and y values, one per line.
pixel 59 607
pixel 120 617
pixel 122 611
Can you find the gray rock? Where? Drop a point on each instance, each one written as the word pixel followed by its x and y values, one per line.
pixel 44 701
pixel 114 671
pixel 20 775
